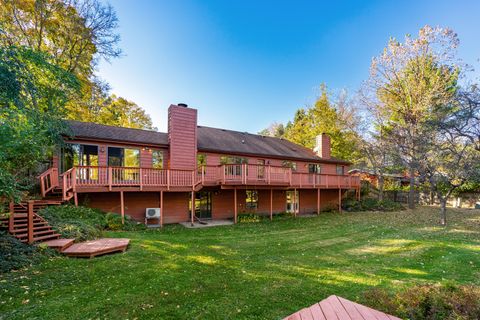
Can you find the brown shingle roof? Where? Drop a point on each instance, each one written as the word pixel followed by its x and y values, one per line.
pixel 228 141
pixel 208 139
pixel 102 132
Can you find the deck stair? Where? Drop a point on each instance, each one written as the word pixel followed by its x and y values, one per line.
pixel 26 225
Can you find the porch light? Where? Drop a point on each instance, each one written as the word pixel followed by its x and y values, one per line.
pixel 102 149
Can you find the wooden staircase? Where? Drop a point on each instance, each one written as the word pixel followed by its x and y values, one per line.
pixel 26 225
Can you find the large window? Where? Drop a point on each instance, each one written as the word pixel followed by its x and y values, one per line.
pixel 314 168
pixel 79 155
pixel 340 170
pixel 123 157
pixel 290 164
pixel 233 164
pixel 252 200
pixel 157 159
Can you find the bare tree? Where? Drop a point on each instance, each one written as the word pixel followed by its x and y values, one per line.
pixel 410 84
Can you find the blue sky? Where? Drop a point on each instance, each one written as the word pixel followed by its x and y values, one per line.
pixel 245 64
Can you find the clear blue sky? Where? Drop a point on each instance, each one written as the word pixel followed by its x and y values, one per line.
pixel 244 64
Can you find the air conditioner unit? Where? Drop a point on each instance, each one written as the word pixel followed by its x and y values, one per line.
pixel 151 213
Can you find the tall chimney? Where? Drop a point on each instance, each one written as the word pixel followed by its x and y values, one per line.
pixel 322 146
pixel 182 137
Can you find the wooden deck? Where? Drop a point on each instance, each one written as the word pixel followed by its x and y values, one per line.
pixel 338 308
pixel 98 247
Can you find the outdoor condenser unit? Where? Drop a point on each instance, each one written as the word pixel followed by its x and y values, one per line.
pixel 151 213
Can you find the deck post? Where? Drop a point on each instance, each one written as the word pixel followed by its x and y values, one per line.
pixel 340 200
pixel 122 207
pixel 295 202
pixel 271 204
pixel 192 213
pixel 141 178
pixel 11 217
pixel 75 198
pixel 161 209
pixel 30 221
pixel 318 201
pixel 110 173
pixel 235 209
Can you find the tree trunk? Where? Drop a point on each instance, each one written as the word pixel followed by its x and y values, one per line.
pixel 443 211
pixel 380 187
pixel 411 193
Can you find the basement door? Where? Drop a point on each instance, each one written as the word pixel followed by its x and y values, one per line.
pixel 203 204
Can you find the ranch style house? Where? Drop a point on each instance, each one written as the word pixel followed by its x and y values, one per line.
pixel 157 177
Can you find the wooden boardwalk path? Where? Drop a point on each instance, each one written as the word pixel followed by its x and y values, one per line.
pixel 338 308
pixel 97 247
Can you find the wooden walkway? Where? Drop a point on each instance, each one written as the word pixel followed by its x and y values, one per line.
pixel 338 308
pixel 98 247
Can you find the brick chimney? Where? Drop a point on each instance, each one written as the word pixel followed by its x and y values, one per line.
pixel 322 146
pixel 182 137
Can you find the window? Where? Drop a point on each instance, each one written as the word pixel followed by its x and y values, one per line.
pixel 233 164
pixel 252 200
pixel 79 155
pixel 292 201
pixel 157 159
pixel 201 162
pixel 123 157
pixel 232 160
pixel 340 170
pixel 290 164
pixel 314 168
pixel 260 169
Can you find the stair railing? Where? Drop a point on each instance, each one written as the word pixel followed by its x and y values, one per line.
pixel 48 180
pixel 69 179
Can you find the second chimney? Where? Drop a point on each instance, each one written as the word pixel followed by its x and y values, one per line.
pixel 322 146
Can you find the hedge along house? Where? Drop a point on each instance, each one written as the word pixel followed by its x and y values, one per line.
pixel 222 172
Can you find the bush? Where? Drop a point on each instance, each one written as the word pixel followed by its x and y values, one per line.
pixel 79 223
pixel 15 255
pixel 369 204
pixel 83 223
pixel 114 223
pixel 428 302
pixel 249 217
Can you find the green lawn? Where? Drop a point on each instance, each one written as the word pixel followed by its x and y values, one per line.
pixel 250 271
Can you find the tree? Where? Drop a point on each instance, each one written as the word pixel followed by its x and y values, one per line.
pixel 274 130
pixel 450 164
pixel 411 87
pixel 123 113
pixel 338 119
pixel 33 93
pixel 76 34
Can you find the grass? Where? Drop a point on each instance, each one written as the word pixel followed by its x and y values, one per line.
pixel 261 270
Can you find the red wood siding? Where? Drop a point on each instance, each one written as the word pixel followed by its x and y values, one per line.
pixel 175 204
pixel 182 137
pixel 308 200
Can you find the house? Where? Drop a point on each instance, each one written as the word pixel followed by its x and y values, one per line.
pixel 222 172
pixel 392 179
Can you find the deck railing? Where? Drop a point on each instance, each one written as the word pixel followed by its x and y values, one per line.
pixel 228 174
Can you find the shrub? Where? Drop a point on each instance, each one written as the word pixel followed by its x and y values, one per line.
pixel 79 223
pixel 15 255
pixel 369 204
pixel 82 223
pixel 428 302
pixel 114 223
pixel 249 217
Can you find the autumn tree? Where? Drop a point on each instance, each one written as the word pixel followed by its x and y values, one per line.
pixel 33 93
pixel 337 118
pixel 411 87
pixel 76 34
